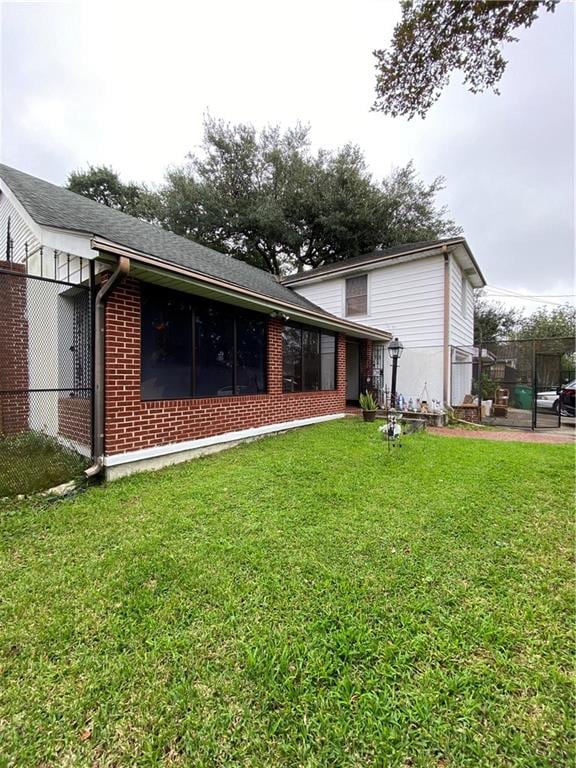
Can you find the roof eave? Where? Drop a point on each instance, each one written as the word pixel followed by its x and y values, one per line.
pixel 266 303
pixel 373 263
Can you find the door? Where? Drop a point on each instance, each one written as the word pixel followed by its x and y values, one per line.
pixel 352 371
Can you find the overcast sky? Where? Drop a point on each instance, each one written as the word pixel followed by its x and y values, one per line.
pixel 127 85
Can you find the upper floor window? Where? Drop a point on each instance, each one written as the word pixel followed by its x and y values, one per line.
pixel 195 348
pixel 357 295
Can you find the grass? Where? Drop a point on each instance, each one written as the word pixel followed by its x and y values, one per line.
pixel 31 462
pixel 305 600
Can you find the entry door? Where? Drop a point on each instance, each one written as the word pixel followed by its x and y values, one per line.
pixel 352 371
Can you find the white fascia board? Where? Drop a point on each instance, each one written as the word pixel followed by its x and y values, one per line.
pixel 74 243
pixel 116 459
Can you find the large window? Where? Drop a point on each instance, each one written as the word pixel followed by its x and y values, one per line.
pixel 196 348
pixel 357 295
pixel 309 361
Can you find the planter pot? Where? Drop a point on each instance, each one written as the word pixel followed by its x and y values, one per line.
pixel 369 415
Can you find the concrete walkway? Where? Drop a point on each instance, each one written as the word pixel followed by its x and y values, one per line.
pixel 505 436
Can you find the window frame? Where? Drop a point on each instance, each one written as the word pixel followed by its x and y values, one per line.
pixel 367 308
pixel 195 303
pixel 302 327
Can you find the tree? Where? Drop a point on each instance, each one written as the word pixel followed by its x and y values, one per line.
pixel 102 184
pixel 493 321
pixel 266 198
pixel 546 323
pixel 436 37
pixel 410 209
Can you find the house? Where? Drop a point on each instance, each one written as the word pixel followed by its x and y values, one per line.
pixel 420 292
pixel 139 348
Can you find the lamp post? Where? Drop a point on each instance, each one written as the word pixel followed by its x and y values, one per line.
pixel 395 351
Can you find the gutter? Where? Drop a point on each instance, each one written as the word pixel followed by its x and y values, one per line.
pixel 122 269
pixel 227 288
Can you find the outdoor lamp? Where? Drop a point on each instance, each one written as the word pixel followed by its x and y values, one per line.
pixel 395 351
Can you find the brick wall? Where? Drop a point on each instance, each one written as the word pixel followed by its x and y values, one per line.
pixel 131 423
pixel 75 419
pixel 14 408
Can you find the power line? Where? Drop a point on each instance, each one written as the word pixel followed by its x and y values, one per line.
pixel 502 293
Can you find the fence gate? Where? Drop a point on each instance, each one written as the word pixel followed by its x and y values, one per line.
pixel 46 372
pixel 519 379
pixel 547 382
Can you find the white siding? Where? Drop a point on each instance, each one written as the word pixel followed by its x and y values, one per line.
pixel 20 234
pixel 329 295
pixel 461 312
pixel 405 299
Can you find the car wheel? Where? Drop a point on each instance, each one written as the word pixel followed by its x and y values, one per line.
pixel 555 406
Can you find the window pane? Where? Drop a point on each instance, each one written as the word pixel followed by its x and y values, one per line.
pixel 357 295
pixel 292 366
pixel 214 351
pixel 166 345
pixel 250 354
pixel 310 359
pixel 328 361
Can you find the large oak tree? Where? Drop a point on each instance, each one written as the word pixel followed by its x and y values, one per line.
pixel 435 38
pixel 265 197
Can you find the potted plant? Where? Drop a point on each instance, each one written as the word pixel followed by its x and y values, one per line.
pixel 369 406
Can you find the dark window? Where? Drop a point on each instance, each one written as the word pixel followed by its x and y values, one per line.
pixel 328 361
pixel 357 295
pixel 195 348
pixel 250 354
pixel 214 347
pixel 309 361
pixel 292 368
pixel 166 345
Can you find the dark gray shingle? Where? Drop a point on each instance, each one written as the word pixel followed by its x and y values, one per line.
pixel 53 206
pixel 366 258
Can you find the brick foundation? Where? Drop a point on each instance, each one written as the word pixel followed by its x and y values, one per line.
pixel 132 424
pixel 14 407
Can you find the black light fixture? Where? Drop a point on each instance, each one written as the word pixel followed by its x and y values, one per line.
pixel 395 349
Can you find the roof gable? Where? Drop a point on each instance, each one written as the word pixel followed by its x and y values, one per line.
pixel 52 206
pixel 384 256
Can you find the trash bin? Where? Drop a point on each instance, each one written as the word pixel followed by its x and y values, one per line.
pixel 523 397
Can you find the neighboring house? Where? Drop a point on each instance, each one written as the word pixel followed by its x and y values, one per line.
pixel 139 348
pixel 420 292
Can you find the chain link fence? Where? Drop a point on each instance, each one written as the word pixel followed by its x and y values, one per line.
pixel 46 373
pixel 514 382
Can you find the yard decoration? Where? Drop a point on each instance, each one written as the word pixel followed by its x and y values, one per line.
pixel 392 430
pixel 369 406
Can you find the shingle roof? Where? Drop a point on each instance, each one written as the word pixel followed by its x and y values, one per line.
pixel 53 206
pixel 367 258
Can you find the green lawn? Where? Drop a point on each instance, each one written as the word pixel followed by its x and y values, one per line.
pixel 305 600
pixel 31 462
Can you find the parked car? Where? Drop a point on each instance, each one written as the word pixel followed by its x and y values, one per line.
pixel 555 399
pixel 567 399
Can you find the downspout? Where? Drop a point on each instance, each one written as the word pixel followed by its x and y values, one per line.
pixel 446 349
pixel 121 270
